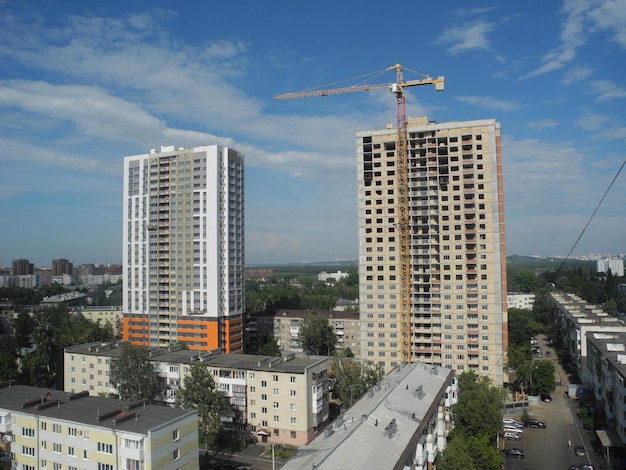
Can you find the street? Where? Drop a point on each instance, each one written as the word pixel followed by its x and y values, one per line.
pixel 548 449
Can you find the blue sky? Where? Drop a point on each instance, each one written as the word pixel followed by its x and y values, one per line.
pixel 83 84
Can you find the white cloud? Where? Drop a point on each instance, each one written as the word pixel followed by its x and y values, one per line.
pixel 542 124
pixel 607 90
pixel 489 102
pixel 466 37
pixel 610 16
pixel 591 121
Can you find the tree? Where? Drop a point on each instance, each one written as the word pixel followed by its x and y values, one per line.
pixel 537 377
pixel 269 348
pixel 351 378
pixel 8 357
pixel 23 327
pixel 133 375
pixel 316 336
pixel 478 411
pixel 199 393
pixel 470 453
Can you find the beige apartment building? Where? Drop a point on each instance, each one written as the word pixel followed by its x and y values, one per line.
pixel 458 303
pixel 282 399
pixel 46 429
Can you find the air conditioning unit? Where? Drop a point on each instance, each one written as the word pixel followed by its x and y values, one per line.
pixel 80 433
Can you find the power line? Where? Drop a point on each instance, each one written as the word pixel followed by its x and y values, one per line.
pixel 590 219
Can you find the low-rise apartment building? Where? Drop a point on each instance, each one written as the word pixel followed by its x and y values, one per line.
pixel 282 398
pixel 606 362
pixel 284 327
pixel 520 300
pixel 575 318
pixel 55 430
pixel 400 423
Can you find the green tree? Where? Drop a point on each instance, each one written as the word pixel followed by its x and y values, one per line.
pixel 23 328
pixel 316 336
pixel 269 348
pixel 537 377
pixel 478 411
pixel 199 393
pixel 133 375
pixel 351 378
pixel 470 453
pixel 8 357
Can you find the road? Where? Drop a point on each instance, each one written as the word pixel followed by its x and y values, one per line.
pixel 547 449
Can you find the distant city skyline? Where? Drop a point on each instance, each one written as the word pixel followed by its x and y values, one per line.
pixel 84 84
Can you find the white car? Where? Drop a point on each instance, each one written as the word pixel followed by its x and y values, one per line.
pixel 512 422
pixel 513 429
pixel 511 436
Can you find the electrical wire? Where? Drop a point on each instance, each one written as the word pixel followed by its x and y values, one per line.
pixel 590 219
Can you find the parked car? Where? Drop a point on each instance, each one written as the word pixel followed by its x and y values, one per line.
pixel 548 354
pixel 514 429
pixel 584 466
pixel 512 422
pixel 513 453
pixel 534 423
pixel 511 436
pixel 580 451
pixel 546 398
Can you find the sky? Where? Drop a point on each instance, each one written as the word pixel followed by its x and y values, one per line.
pixel 84 84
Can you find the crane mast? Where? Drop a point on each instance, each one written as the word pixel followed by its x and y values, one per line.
pixel 402 183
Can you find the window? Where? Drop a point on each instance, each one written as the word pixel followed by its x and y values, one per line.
pixel 292 407
pixel 28 451
pixel 292 393
pixel 275 418
pixel 175 435
pixel 275 392
pixel 56 428
pixel 56 448
pixel 176 454
pixel 275 378
pixel 275 405
pixel 28 432
pixel 105 448
pixel 57 466
pixel 292 379
pixel 43 425
pixel 71 432
pixel 263 383
pixel 105 466
pixel 293 420
pixel 71 451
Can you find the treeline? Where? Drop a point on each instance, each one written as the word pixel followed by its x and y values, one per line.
pixel 38 341
pixel 298 293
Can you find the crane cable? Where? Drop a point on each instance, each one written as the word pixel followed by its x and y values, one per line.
pixel 590 219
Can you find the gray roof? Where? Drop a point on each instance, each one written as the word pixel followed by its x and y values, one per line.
pixel 612 347
pixel 289 363
pixel 85 409
pixel 380 429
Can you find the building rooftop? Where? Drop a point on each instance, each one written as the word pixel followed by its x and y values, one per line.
pixel 124 415
pixel 378 429
pixel 288 363
pixel 612 347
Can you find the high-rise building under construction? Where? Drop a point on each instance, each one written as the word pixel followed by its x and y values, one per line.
pixel 457 261
pixel 183 248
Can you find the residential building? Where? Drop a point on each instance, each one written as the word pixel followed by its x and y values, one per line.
pixel 336 276
pixel 22 267
pixel 53 429
pixel 457 264
pixel 520 300
pixel 575 319
pixel 613 265
pixel 286 328
pixel 62 266
pixel 107 314
pixel 183 248
pixel 400 423
pixel 283 398
pixel 606 362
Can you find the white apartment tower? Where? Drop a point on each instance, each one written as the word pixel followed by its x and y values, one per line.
pixel 458 301
pixel 184 248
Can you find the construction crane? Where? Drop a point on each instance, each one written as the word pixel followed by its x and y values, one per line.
pixel 396 89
